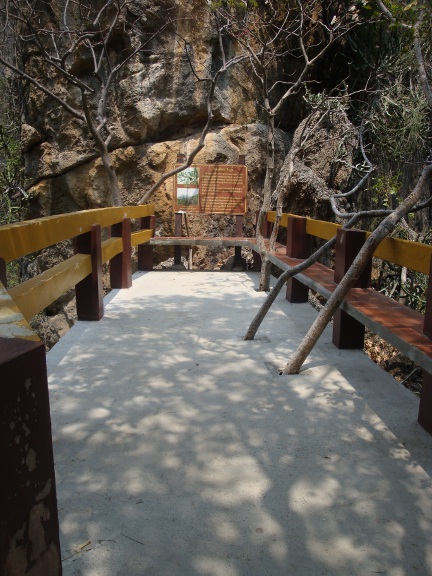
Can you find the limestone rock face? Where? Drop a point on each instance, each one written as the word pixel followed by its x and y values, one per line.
pixel 158 95
pixel 139 167
pixel 321 166
pixel 156 110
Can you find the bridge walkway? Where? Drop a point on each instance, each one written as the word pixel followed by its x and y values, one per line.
pixel 180 451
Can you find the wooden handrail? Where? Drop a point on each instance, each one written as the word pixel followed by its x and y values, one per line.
pixel 40 291
pixel 22 238
pixel 413 255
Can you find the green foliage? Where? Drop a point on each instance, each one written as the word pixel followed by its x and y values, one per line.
pixel 399 117
pixel 398 122
pixel 385 190
pixel 11 171
pixel 239 4
pixel 404 12
pixel 11 192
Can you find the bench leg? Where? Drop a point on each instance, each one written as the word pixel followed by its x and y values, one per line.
pixel 298 246
pixel 348 333
pixel 256 262
pixel 425 409
pixel 296 291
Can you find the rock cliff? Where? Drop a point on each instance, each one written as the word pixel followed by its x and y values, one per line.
pixel 156 109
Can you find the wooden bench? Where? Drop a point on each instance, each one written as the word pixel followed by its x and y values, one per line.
pixel 407 330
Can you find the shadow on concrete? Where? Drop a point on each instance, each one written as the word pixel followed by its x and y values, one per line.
pixel 179 452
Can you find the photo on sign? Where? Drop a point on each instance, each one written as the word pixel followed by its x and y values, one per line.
pixel 188 196
pixel 188 177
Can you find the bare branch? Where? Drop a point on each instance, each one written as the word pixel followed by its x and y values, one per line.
pixel 43 89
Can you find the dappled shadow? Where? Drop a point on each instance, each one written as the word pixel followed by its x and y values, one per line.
pixel 179 451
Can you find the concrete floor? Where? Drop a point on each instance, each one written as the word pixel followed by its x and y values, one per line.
pixel 180 451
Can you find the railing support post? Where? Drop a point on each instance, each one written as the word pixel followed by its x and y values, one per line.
pixel 425 409
pixel 298 246
pixel 29 529
pixel 239 262
pixel 3 277
pixel 145 251
pixel 178 233
pixel 348 333
pixel 89 292
pixel 121 264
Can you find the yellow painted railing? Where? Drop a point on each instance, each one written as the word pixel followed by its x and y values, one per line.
pixel 413 255
pixel 22 238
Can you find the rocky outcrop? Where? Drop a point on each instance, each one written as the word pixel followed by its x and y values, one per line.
pixel 158 96
pixel 139 167
pixel 156 111
pixel 325 146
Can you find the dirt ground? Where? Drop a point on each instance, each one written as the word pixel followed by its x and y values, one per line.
pixel 391 360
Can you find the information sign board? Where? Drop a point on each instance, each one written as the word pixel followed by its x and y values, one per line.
pixel 211 189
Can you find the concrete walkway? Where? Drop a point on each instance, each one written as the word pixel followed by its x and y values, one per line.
pixel 180 451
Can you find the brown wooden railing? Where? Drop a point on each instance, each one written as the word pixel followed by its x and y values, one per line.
pixel 23 238
pixel 406 329
pixel 28 490
pixel 412 255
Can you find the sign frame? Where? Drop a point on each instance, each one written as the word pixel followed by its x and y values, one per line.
pixel 211 189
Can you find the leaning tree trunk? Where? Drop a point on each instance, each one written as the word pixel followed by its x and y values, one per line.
pixel 354 272
pixel 264 283
pixel 112 176
pixel 262 312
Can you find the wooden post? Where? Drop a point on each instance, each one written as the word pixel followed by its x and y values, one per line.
pixel 298 246
pixel 145 251
pixel 348 333
pixel 121 264
pixel 89 292
pixel 29 529
pixel 239 262
pixel 3 276
pixel 425 408
pixel 177 234
pixel 427 326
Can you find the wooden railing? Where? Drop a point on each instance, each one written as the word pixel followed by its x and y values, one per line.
pixel 28 489
pixel 24 401
pixel 23 238
pixel 406 329
pixel 413 255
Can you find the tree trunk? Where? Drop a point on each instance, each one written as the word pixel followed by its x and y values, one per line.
pixel 259 317
pixel 112 177
pixel 354 272
pixel 264 284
